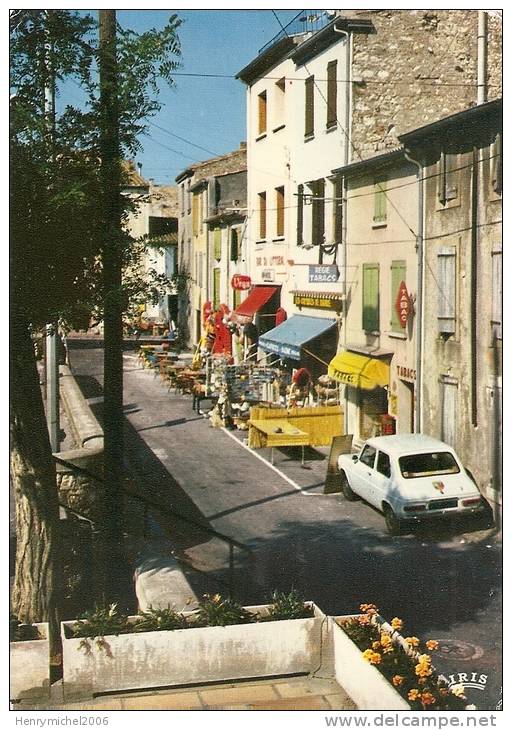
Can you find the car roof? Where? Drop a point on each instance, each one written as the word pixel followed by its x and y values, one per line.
pixel 408 443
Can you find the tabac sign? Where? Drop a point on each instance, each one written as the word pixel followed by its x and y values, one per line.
pixel 403 304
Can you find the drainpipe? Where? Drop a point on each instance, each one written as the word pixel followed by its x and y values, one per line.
pixel 482 58
pixel 420 248
pixel 348 92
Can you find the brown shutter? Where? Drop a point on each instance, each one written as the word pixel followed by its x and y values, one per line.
pixel 262 112
pixel 263 215
pixel 318 222
pixel 300 215
pixel 338 210
pixel 332 93
pixel 309 127
pixel 280 211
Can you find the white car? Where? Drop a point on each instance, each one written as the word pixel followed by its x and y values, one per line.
pixel 410 477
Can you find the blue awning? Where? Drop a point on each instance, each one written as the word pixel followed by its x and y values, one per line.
pixel 287 339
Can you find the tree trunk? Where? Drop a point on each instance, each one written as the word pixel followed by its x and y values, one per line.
pixel 35 591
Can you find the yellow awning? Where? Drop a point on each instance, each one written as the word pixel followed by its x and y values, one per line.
pixel 359 371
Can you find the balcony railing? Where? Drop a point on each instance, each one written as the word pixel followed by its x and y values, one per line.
pixel 307 21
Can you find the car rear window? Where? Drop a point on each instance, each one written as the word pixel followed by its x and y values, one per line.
pixel 426 465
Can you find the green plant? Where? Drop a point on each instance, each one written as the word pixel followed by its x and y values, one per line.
pixel 405 662
pixel 21 632
pixel 160 619
pixel 288 606
pixel 101 622
pixel 218 611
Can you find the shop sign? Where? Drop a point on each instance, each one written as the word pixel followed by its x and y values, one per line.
pixel 240 282
pixel 323 274
pixel 268 275
pixel 316 302
pixel 405 373
pixel 403 304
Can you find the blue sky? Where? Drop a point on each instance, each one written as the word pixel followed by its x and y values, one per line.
pixel 209 112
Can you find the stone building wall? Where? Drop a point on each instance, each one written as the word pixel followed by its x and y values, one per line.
pixel 419 66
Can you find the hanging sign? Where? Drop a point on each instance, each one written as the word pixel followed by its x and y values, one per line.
pixel 240 282
pixel 323 274
pixel 403 304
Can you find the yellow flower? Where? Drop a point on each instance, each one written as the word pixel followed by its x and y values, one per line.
pixel 389 649
pixel 412 641
pixel 397 624
pixel 376 645
pixel 216 598
pixel 458 690
pixel 423 668
pixel 427 698
pixel 431 644
pixel 367 654
pixel 413 694
pixel 372 656
pixel 425 659
pixel 398 680
pixel 385 639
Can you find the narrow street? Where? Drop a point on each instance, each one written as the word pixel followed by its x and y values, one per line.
pixel 444 584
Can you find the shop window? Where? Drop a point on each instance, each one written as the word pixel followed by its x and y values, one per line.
pixel 263 215
pixel 332 94
pixel 368 456
pixel 496 165
pixel 279 104
pixel 280 211
pixel 448 410
pixel 217 244
pixel 337 207
pixel 383 464
pixel 397 276
pixel 262 113
pixel 216 288
pixel 497 294
pixel 448 178
pixel 371 314
pixel 446 273
pixel 380 201
pixel 309 121
pixel 318 212
pixel 300 215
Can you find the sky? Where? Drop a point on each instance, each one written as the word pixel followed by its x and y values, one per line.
pixel 207 112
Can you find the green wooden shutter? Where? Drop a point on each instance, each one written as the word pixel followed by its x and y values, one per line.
pixel 371 297
pixel 379 212
pixel 332 94
pixel 216 288
pixel 309 122
pixel 300 215
pixel 397 276
pixel 235 251
pixel 217 244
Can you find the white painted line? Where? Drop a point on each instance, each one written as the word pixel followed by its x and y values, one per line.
pixel 271 466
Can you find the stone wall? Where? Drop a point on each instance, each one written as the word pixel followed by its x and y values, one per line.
pixel 419 66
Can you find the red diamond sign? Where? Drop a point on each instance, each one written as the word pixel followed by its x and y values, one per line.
pixel 403 304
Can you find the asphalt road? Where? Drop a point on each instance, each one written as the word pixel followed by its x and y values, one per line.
pixel 444 582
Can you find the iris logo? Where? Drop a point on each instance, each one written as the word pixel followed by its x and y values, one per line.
pixel 473 680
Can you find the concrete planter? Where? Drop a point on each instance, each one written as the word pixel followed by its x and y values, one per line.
pixel 360 680
pixel 189 656
pixel 30 667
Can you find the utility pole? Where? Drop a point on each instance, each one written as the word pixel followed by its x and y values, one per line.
pixel 113 332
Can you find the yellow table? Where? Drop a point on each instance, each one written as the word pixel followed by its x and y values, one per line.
pixel 279 432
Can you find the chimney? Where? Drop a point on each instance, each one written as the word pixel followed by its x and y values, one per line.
pixel 243 145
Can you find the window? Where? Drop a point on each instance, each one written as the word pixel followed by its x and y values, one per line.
pixel 300 215
pixel 337 207
pixel 497 293
pixel 397 276
pixel 279 104
pixel 263 215
pixel 371 297
pixel 280 211
pixel 332 94
pixel 429 464
pixel 309 127
pixel 379 200
pixel 368 456
pixel 262 112
pixel 448 178
pixel 448 410
pixel 317 216
pixel 216 289
pixel 383 464
pixel 496 165
pixel 446 269
pixel 217 244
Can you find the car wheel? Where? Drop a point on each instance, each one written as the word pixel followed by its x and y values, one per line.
pixel 346 488
pixel 393 524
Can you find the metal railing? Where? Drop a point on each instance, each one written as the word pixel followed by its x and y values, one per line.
pixel 307 21
pixel 168 512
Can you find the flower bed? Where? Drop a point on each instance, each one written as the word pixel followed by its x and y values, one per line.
pixel 220 641
pixel 29 651
pixel 406 663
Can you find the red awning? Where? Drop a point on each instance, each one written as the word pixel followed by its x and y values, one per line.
pixel 254 302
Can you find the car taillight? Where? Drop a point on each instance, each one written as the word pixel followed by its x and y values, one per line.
pixel 415 508
pixel 472 501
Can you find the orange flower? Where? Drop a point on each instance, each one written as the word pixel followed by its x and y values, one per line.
pixel 364 620
pixel 431 644
pixel 398 680
pixel 376 645
pixel 372 656
pixel 397 624
pixel 413 641
pixel 423 670
pixel 365 607
pixel 413 695
pixel 427 699
pixel 385 639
